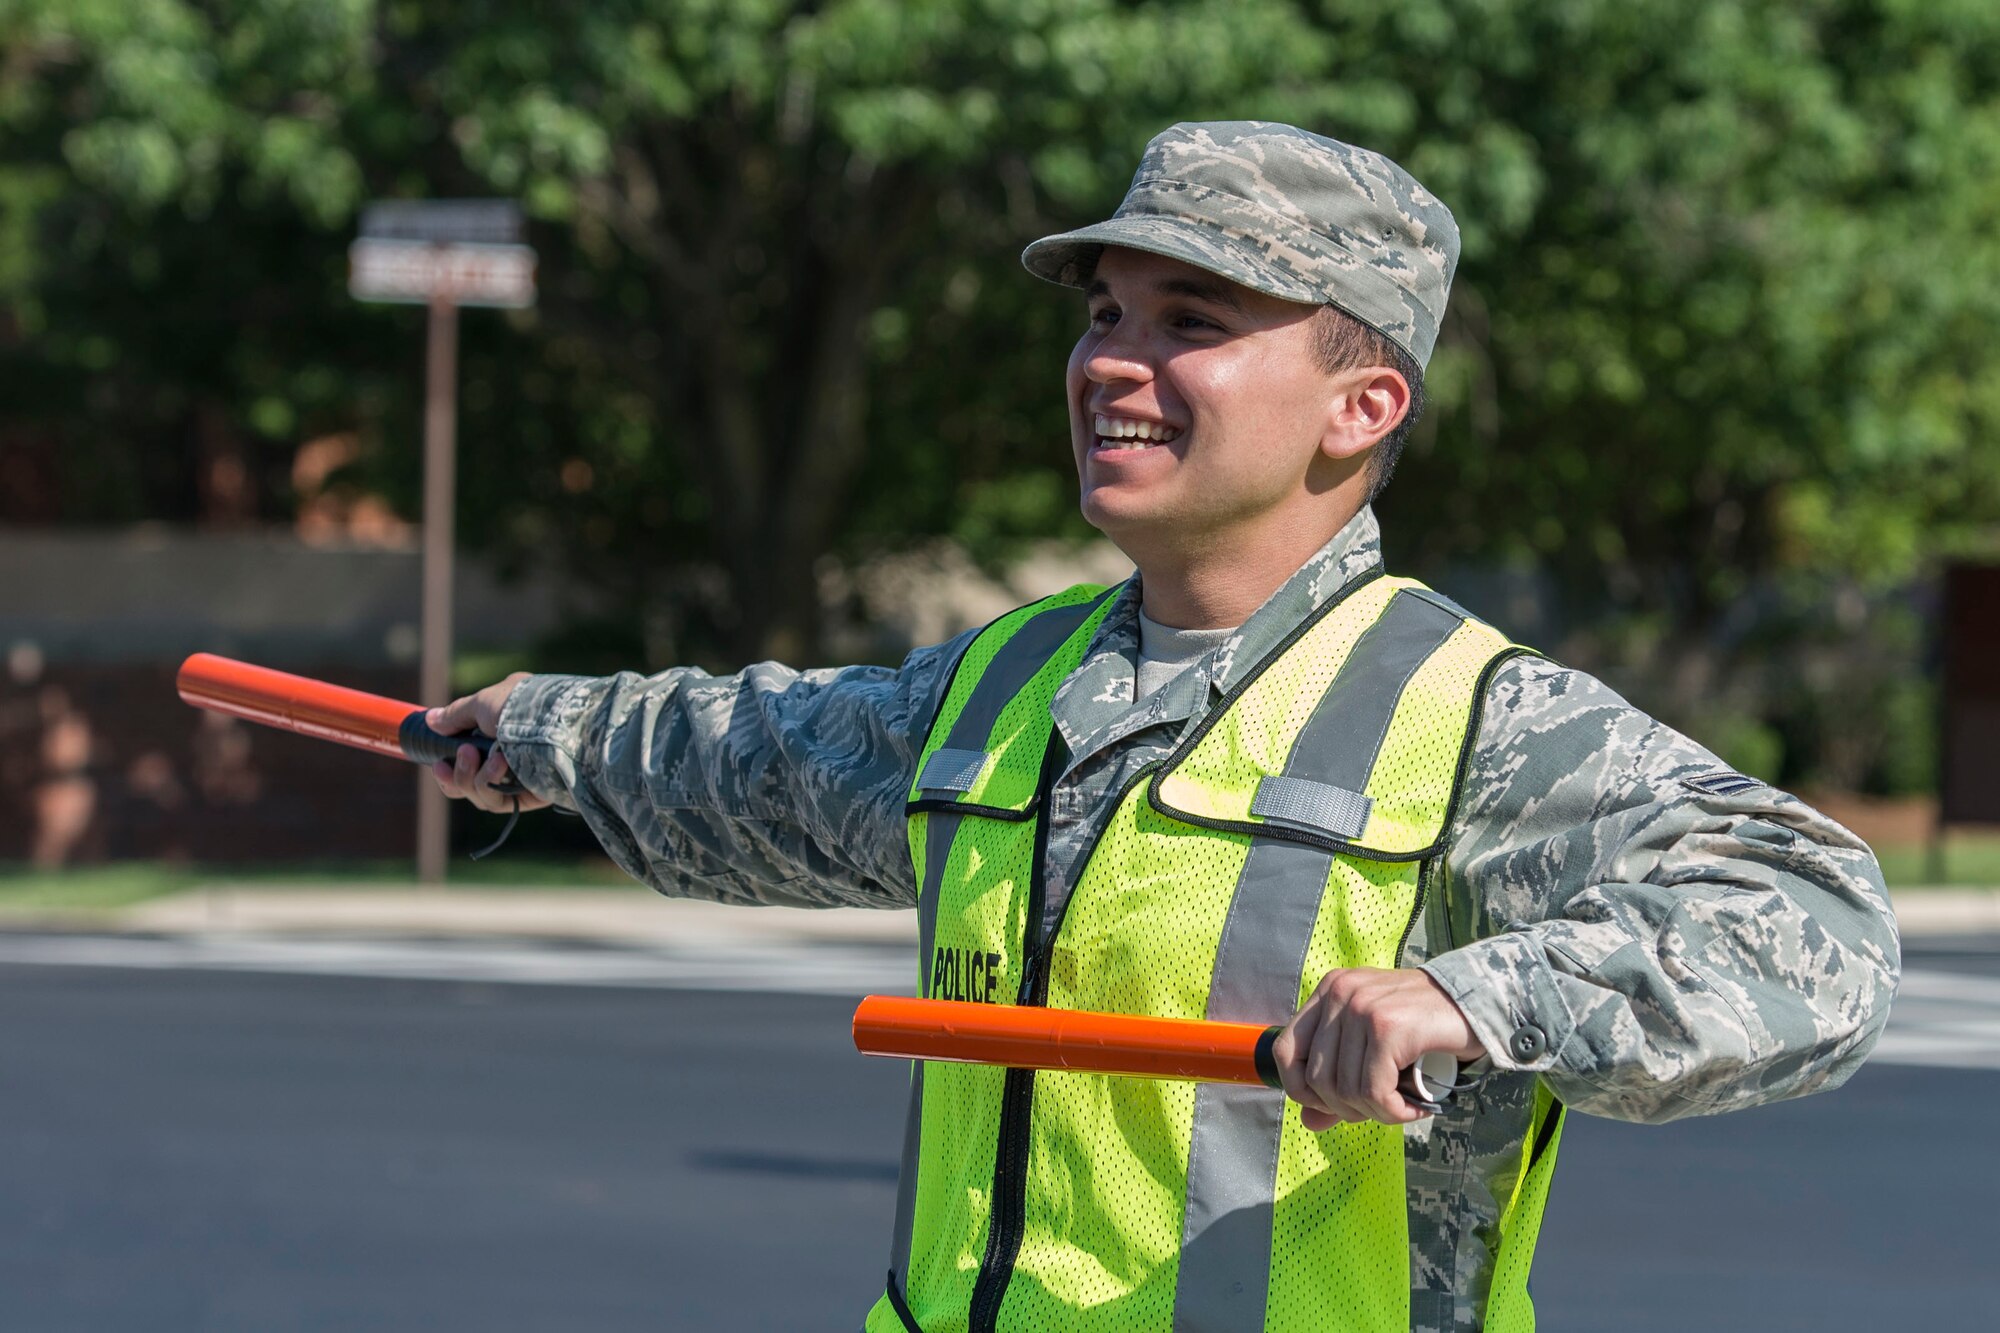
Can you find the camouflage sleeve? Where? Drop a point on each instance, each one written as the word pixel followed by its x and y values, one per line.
pixel 770 786
pixel 1651 933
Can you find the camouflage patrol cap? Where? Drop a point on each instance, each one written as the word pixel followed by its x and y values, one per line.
pixel 1283 211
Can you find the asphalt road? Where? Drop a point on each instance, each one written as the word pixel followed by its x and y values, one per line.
pixel 195 1150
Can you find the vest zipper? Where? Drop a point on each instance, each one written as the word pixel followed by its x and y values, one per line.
pixel 1017 1093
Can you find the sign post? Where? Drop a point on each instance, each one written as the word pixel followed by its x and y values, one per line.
pixel 442 254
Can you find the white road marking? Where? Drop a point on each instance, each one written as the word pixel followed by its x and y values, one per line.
pixel 810 967
pixel 1947 1019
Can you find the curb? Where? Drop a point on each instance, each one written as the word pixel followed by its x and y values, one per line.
pixel 1942 911
pixel 635 916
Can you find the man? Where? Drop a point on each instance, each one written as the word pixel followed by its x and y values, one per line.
pixel 1260 781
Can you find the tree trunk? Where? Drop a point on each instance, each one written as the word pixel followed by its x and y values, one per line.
pixel 787 430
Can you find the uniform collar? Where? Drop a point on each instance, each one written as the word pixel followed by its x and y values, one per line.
pixel 1093 706
pixel 1354 550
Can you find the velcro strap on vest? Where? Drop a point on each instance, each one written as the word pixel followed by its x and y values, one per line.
pixel 952 770
pixel 1317 807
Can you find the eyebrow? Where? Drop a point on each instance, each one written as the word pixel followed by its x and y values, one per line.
pixel 1217 291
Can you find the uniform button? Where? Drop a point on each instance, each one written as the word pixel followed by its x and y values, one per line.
pixel 1527 1043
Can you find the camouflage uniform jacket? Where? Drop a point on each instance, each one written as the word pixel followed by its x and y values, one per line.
pixel 1616 913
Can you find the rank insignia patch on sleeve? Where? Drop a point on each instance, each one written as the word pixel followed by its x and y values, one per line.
pixel 1720 784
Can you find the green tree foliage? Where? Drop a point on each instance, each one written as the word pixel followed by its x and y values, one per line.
pixel 775 191
pixel 171 315
pixel 1723 330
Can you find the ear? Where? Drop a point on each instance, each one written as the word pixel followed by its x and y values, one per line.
pixel 1366 404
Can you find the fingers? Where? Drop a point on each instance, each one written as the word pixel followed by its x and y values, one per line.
pixel 1339 1058
pixel 454 776
pixel 455 718
pixel 1380 1087
pixel 478 772
pixel 1306 1052
pixel 1317 1121
pixel 1350 1064
pixel 469 776
pixel 1317 1062
pixel 465 776
pixel 475 712
pixel 1367 1066
pixel 1332 1064
pixel 1289 1052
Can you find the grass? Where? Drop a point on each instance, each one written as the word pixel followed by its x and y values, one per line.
pixel 88 888
pixel 473 671
pixel 1971 860
pixel 100 888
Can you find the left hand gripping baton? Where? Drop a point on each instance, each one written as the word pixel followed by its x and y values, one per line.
pixel 1031 1037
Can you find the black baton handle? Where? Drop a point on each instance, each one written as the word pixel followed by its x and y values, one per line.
pixel 424 746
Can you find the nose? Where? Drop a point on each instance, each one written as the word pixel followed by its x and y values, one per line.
pixel 1118 355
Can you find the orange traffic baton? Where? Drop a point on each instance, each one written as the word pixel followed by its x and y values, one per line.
pixel 335 713
pixel 1032 1037
pixel 314 708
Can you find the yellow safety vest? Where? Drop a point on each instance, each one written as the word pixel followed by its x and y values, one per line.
pixel 1285 836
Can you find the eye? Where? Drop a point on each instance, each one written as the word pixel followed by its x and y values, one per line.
pixel 1189 319
pixel 1104 315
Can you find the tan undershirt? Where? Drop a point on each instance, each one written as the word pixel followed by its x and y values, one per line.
pixel 1165 652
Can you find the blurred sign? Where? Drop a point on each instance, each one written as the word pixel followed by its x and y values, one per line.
pixel 419 272
pixel 467 221
pixel 1969 767
pixel 461 251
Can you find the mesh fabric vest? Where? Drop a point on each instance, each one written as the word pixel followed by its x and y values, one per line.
pixel 1284 837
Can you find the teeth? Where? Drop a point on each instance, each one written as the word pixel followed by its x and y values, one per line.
pixel 1128 428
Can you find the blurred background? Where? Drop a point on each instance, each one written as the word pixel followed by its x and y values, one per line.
pixel 1713 414
pixel 1715 400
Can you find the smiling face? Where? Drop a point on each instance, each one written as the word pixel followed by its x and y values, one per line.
pixel 1203 424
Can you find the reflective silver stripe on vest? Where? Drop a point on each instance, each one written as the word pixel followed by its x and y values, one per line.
pixel 1233 1155
pixel 1032 645
pixel 938 833
pixel 951 770
pixel 1358 707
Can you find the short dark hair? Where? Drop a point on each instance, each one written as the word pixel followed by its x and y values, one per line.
pixel 1342 342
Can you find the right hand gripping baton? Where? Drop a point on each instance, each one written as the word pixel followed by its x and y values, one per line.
pixel 325 712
